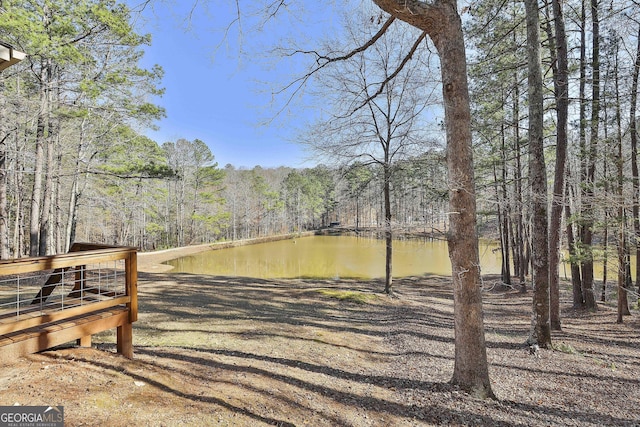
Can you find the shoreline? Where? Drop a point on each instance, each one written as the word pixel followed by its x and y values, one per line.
pixel 153 262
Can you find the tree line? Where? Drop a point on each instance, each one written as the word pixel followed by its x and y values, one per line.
pixel 75 165
pixel 589 63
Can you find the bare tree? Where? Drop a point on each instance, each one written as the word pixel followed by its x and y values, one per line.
pixel 373 124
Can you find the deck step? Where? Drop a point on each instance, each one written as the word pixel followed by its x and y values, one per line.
pixel 33 340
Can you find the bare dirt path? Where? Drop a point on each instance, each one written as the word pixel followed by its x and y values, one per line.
pixel 246 352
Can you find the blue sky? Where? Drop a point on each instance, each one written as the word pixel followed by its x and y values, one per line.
pixel 211 90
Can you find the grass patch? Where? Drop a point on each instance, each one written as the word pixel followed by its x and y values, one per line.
pixel 349 296
pixel 565 348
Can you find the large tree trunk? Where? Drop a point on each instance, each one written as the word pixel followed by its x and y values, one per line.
pixel 442 23
pixel 538 180
pixel 471 369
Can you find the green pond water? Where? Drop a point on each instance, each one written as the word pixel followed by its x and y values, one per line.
pixel 329 257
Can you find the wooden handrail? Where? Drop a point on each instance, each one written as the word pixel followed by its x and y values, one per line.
pixel 50 319
pixel 70 259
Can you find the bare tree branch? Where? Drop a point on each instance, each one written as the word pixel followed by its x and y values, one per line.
pixel 393 75
pixel 362 48
pixel 323 61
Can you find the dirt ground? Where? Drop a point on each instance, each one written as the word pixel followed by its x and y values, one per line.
pixel 245 352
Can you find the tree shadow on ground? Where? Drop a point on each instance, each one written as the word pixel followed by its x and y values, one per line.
pixel 280 340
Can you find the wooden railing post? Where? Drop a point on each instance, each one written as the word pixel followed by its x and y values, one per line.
pixel 131 281
pixel 125 332
pixel 79 281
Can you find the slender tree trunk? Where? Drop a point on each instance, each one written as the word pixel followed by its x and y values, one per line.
pixel 504 208
pixel 576 277
pixel 607 186
pixel 605 246
pixel 622 240
pixel 506 269
pixel 624 271
pixel 520 232
pixel 57 231
pixel 75 192
pixel 503 228
pixel 633 130
pixel 72 219
pixel 624 261
pixel 45 214
pixel 18 181
pixel 4 139
pixel 36 195
pixel 561 79
pixel 194 209
pixel 53 176
pixel 579 302
pixel 515 204
pixel 588 205
pixel 387 230
pixel 623 275
pixel 537 177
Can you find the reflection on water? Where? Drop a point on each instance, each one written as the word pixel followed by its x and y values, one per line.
pixel 329 257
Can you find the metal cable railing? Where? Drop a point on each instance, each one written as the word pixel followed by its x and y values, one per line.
pixel 37 293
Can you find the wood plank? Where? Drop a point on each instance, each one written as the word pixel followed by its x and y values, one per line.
pixel 86 246
pixel 31 311
pixel 131 283
pixel 96 317
pixel 38 341
pixel 125 340
pixel 33 321
pixel 71 259
pixel 84 341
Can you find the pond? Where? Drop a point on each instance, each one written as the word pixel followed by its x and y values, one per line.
pixel 323 257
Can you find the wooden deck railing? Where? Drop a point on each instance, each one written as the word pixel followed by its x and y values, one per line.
pixel 48 301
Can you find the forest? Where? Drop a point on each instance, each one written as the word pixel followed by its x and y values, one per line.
pixel 75 164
